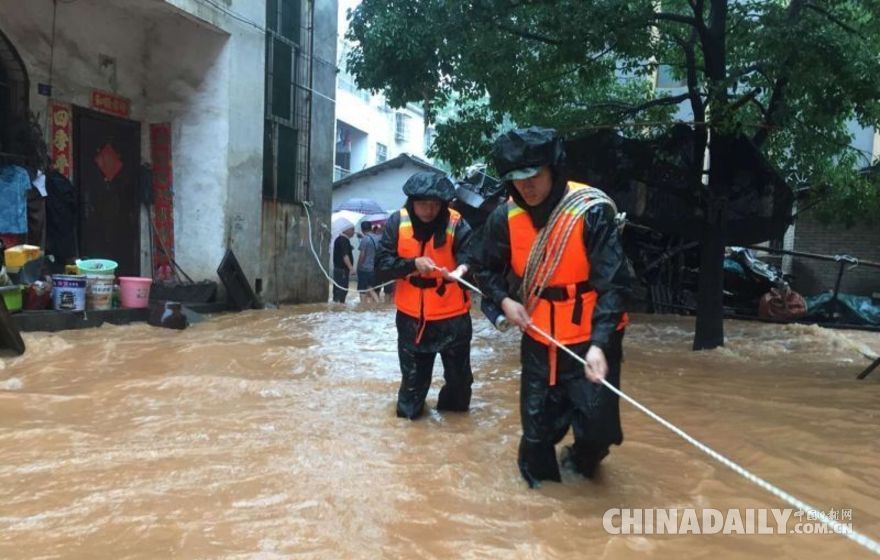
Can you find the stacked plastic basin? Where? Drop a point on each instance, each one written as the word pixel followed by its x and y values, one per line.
pixel 100 279
pixel 93 288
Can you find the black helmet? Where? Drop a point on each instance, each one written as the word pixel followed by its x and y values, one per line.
pixel 520 153
pixel 429 184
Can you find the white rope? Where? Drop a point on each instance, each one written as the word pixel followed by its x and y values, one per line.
pixel 835 525
pixel 321 266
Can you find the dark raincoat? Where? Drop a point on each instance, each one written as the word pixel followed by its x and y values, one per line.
pixel 451 338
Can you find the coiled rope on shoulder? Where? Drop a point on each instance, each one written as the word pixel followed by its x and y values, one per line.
pixel 546 253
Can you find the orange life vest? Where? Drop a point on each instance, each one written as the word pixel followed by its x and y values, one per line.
pixel 428 297
pixel 565 307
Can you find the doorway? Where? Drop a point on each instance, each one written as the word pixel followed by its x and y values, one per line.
pixel 107 175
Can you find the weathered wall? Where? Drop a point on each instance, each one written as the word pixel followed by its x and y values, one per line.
pixel 245 148
pixel 812 277
pixel 86 31
pixel 192 93
pixel 209 84
pixel 313 285
pixel 290 272
pixel 182 62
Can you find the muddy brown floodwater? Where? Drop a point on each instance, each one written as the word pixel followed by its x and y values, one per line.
pixel 271 434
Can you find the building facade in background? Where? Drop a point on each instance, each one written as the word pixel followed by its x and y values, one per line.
pixel 382 182
pixel 368 131
pixel 188 127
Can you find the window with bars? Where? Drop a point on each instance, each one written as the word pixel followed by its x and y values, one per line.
pixel 282 129
pixel 345 81
pixel 381 152
pixel 401 127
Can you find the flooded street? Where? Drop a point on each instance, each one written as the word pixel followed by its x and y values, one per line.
pixel 272 434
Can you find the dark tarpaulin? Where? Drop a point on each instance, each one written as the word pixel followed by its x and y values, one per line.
pixel 846 308
pixel 649 180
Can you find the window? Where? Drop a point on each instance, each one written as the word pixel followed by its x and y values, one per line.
pixel 281 134
pixel 283 17
pixel 401 127
pixel 344 80
pixel 381 152
pixel 429 138
pixel 281 58
pixel 343 147
pixel 666 78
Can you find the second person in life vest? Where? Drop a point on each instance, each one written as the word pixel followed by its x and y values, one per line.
pixel 424 248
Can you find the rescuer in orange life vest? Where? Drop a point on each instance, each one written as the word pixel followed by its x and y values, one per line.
pixel 586 278
pixel 424 248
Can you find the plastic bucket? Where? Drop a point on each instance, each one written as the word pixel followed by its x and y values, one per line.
pixel 97 267
pixel 69 292
pixel 134 291
pixel 99 291
pixel 11 297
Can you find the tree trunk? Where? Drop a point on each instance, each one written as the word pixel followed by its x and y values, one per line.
pixel 709 332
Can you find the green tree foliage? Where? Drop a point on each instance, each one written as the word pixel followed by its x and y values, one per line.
pixel 793 73
pixel 789 74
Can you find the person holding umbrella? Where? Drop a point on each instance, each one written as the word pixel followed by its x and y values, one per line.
pixel 424 248
pixel 342 264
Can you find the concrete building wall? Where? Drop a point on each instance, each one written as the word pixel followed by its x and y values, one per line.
pixel 87 31
pixel 378 122
pixel 289 269
pixel 219 80
pixel 182 62
pixel 313 286
pixel 201 67
pixel 812 277
pixel 193 95
pixel 245 156
pixel 386 188
pixel 875 150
